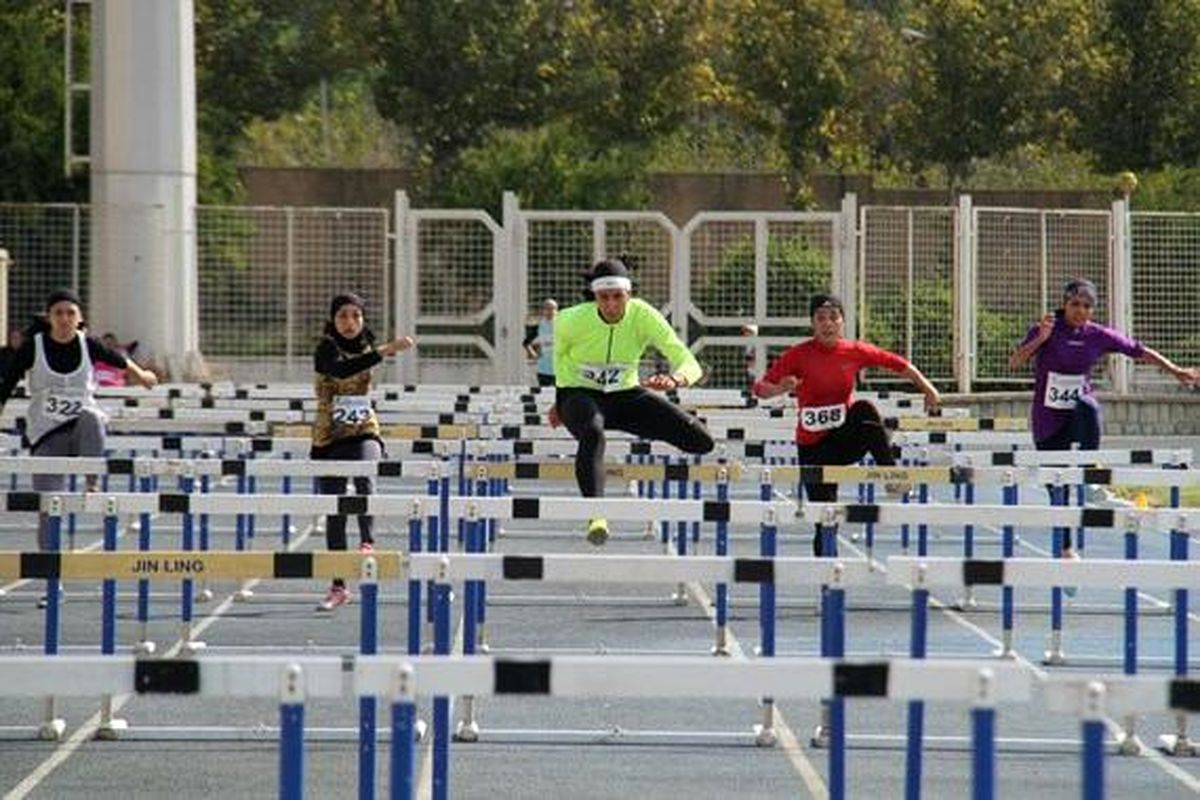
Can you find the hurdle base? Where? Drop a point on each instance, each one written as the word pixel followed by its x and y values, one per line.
pixel 765 736
pixel 466 731
pixel 52 730
pixel 242 595
pixel 721 648
pixel 1180 746
pixel 966 603
pixel 1129 744
pixel 145 648
pixel 193 646
pixel 420 730
pixel 679 597
pixel 820 738
pixel 111 730
pixel 204 595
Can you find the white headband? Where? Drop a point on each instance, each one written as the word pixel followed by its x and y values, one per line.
pixel 612 282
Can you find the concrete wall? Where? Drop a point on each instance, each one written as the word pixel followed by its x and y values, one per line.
pixel 680 195
pixel 1159 414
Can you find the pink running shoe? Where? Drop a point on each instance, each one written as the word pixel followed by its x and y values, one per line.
pixel 366 547
pixel 336 596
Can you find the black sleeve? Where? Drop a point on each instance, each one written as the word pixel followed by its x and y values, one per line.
pixel 531 332
pixel 97 351
pixel 21 363
pixel 326 361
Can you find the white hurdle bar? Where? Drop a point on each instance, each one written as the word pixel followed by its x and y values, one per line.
pixel 1093 699
pixel 1181 576
pixel 292 680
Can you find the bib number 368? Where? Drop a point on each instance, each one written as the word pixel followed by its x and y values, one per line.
pixel 822 418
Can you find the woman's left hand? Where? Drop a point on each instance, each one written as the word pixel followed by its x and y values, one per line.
pixel 663 383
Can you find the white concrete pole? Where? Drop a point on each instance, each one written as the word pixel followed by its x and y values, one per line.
pixel 143 158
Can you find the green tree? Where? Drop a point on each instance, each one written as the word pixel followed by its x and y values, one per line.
pixel 31 96
pixel 549 167
pixel 988 76
pixel 260 59
pixel 1140 101
pixel 787 59
pixel 454 72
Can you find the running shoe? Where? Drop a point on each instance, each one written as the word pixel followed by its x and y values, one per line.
pixel 336 596
pixel 366 547
pixel 597 531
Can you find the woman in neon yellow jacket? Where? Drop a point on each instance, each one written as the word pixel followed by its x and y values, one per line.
pixel 598 346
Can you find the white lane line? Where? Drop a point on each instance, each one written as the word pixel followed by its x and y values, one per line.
pixel 788 742
pixel 88 729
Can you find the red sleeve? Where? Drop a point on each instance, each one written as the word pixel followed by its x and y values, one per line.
pixel 871 356
pixel 781 367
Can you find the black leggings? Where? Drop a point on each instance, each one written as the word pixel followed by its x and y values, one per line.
pixel 587 414
pixel 335 524
pixel 1082 429
pixel 863 432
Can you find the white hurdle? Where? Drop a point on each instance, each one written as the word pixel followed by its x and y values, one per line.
pixel 292 680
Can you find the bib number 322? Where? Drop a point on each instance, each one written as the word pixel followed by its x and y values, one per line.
pixel 63 406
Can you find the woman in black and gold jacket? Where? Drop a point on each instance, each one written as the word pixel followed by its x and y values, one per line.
pixel 346 428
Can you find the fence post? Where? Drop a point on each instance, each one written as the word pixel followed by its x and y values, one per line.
pixel 5 262
pixel 290 289
pixel 964 293
pixel 1120 301
pixel 404 311
pixel 845 277
pixel 510 272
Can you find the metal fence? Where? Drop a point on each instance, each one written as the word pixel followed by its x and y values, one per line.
pixel 953 289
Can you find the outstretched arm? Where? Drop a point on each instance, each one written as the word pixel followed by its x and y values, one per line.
pixel 1188 377
pixel 932 398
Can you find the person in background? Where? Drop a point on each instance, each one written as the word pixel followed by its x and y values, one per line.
pixel 750 355
pixel 106 374
pixel 8 353
pixel 539 343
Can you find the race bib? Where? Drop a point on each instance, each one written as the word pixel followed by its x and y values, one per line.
pixel 815 419
pixel 351 409
pixel 606 377
pixel 63 407
pixel 1063 391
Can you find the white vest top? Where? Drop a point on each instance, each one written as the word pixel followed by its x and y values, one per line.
pixel 56 398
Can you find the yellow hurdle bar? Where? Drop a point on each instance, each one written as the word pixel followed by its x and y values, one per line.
pixel 177 565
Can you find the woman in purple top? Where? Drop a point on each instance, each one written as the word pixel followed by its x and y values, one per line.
pixel 1064 347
